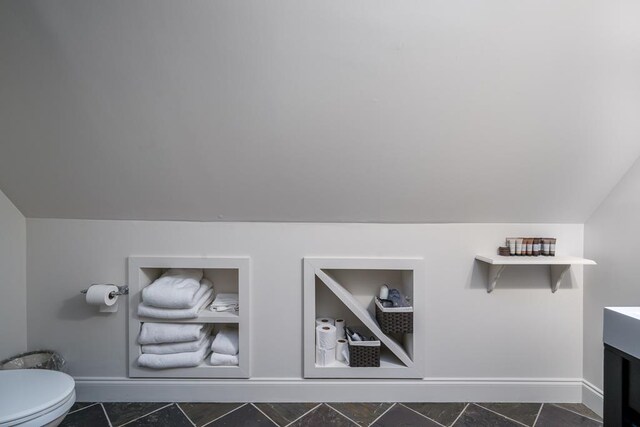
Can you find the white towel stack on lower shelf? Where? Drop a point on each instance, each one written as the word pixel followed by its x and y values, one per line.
pixel 178 294
pixel 225 348
pixel 173 345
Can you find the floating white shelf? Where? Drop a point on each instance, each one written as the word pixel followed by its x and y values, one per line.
pixel 558 266
pixel 397 360
pixel 227 275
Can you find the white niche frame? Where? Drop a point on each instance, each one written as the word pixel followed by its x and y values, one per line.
pixel 143 270
pixel 409 355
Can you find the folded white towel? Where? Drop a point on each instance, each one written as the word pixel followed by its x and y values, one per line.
pixel 225 299
pixel 176 360
pixel 159 333
pixel 179 347
pixel 145 310
pixel 218 359
pixel 225 302
pixel 205 285
pixel 226 341
pixel 177 288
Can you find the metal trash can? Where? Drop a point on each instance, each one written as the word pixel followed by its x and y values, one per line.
pixel 41 359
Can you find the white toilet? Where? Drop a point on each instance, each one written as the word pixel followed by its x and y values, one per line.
pixel 35 397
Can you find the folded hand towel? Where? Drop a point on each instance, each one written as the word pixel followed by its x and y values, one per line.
pixel 145 310
pixel 158 333
pixel 225 302
pixel 177 360
pixel 226 341
pixel 218 359
pixel 180 347
pixel 225 299
pixel 177 288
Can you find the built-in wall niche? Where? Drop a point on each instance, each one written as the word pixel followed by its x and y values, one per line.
pixel 229 275
pixel 345 288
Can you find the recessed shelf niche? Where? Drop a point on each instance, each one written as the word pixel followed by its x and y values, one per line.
pixel 227 275
pixel 345 288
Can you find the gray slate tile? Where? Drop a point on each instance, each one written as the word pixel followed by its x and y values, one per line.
pixel 247 416
pixel 400 416
pixel 171 416
pixel 90 416
pixel 525 413
pixel 79 405
pixel 581 409
pixel 202 413
pixel 553 416
pixel 285 413
pixel 362 413
pixel 475 416
pixel 122 412
pixel 323 416
pixel 444 413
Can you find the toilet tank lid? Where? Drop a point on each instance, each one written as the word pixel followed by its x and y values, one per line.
pixel 26 391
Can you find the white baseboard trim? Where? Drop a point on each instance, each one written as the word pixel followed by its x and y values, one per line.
pixel 567 390
pixel 592 397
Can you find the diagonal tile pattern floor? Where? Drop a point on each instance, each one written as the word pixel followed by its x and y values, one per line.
pixel 330 414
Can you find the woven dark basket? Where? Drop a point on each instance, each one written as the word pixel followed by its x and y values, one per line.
pixel 364 357
pixel 394 322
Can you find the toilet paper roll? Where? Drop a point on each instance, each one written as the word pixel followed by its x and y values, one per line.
pixel 325 321
pixel 325 357
pixel 339 324
pixel 326 337
pixel 342 350
pixel 99 295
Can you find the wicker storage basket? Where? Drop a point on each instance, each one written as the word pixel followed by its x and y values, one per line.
pixel 364 354
pixel 394 320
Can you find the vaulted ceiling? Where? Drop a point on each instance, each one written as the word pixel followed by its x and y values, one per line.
pixel 309 110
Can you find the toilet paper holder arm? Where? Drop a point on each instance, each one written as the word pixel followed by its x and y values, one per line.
pixel 122 290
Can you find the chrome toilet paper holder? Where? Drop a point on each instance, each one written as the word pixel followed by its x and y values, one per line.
pixel 122 290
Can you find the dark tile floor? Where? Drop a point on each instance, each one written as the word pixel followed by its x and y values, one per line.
pixel 331 414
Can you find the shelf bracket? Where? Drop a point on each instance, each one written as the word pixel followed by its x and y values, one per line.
pixel 557 273
pixel 494 274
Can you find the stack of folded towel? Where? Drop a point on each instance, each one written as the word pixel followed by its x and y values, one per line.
pixel 225 347
pixel 225 302
pixel 173 345
pixel 178 294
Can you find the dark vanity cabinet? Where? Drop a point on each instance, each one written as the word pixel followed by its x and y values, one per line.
pixel 621 388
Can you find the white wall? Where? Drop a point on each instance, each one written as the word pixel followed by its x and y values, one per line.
pixel 318 110
pixel 13 292
pixel 519 331
pixel 612 238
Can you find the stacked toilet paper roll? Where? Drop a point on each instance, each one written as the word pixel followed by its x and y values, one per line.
pixel 325 344
pixel 342 351
pixel 339 324
pixel 325 321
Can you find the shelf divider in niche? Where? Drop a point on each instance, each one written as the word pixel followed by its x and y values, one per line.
pixel 228 274
pixel 401 356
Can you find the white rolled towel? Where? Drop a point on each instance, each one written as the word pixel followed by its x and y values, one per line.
pixel 145 310
pixel 177 288
pixel 218 359
pixel 176 360
pixel 226 341
pixel 178 347
pixel 159 333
